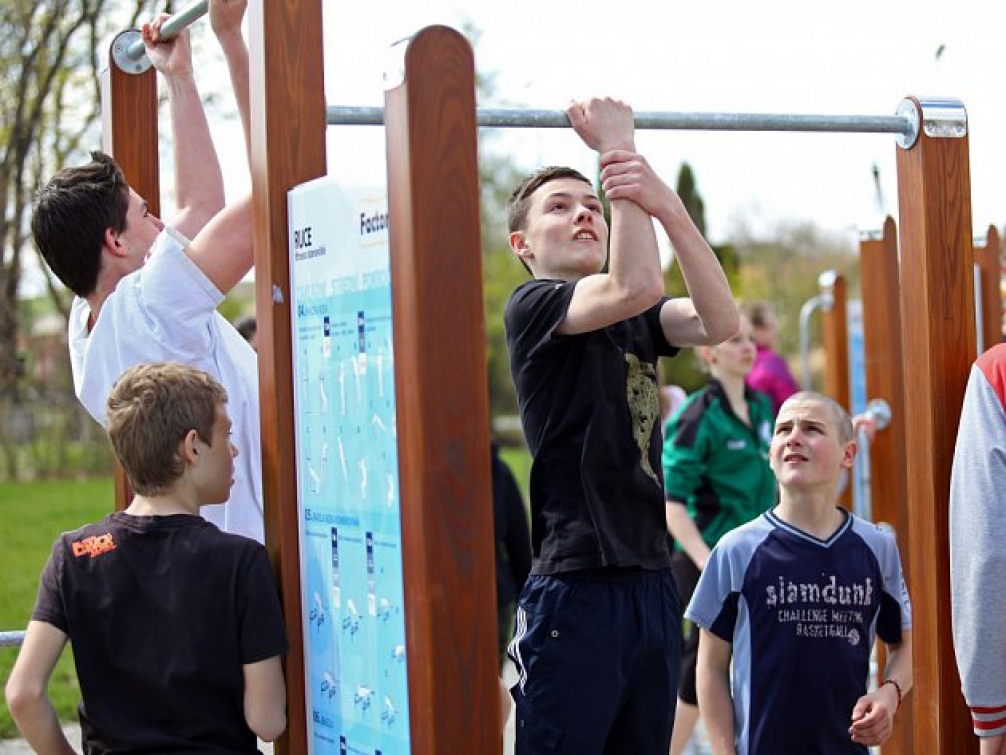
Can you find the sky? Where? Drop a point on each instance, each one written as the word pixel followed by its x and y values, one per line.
pixel 850 57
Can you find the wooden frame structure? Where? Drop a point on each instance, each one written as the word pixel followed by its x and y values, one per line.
pixel 129 133
pixel 938 346
pixel 835 337
pixel 433 190
pixel 880 293
pixel 440 373
pixel 442 394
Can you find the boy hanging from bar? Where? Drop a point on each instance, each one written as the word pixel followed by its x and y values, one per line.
pixel 598 628
pixel 144 291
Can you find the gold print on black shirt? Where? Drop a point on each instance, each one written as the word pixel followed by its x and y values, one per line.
pixel 644 406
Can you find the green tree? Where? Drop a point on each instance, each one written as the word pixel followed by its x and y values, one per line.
pixel 685 370
pixel 501 272
pixel 690 197
pixel 781 266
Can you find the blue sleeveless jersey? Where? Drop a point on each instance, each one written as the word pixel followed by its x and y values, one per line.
pixel 801 614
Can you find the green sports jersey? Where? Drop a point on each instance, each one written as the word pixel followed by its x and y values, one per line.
pixel 715 464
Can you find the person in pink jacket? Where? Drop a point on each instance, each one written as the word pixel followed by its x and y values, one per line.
pixel 770 374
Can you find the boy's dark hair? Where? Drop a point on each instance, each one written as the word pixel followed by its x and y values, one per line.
pixel 520 199
pixel 150 410
pixel 70 217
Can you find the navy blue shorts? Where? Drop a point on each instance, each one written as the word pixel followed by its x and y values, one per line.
pixel 597 656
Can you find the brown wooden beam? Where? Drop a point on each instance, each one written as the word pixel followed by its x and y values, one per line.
pixel 130 135
pixel 835 335
pixel 288 148
pixel 443 411
pixel 938 344
pixel 880 293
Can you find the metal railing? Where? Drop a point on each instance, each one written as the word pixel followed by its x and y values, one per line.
pixel 11 639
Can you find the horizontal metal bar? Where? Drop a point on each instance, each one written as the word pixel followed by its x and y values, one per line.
pixel 515 118
pixel 172 27
pixel 11 639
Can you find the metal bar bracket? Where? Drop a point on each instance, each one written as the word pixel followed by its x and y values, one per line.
pixel 122 44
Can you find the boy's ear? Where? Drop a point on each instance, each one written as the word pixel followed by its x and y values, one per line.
pixel 111 242
pixel 519 245
pixel 849 454
pixel 187 447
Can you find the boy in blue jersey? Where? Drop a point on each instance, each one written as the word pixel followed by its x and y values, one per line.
pixel 794 599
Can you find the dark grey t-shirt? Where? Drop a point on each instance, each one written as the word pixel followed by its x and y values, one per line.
pixel 591 414
pixel 162 613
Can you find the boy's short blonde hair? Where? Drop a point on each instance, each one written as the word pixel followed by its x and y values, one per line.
pixel 842 420
pixel 150 411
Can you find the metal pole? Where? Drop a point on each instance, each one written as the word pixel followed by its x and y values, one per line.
pixel 517 118
pixel 11 639
pixel 979 310
pixel 806 311
pixel 880 412
pixel 172 27
pixel 825 300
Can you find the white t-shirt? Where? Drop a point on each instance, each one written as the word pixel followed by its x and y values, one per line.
pixel 166 311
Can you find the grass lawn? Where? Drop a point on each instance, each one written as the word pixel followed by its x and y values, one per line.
pixel 519 461
pixel 33 514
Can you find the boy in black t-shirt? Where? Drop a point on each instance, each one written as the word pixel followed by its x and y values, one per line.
pixel 598 627
pixel 176 626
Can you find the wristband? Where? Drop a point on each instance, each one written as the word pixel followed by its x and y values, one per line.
pixel 897 688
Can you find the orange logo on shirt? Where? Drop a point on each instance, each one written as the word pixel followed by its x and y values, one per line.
pixel 94 546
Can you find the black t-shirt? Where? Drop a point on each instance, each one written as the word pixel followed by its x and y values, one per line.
pixel 162 613
pixel 591 416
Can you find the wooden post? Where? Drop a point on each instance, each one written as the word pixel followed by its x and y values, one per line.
pixel 835 335
pixel 878 264
pixel 129 134
pixel 288 148
pixel 938 337
pixel 989 261
pixel 443 409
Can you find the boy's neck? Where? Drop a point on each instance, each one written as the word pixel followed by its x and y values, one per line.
pixel 733 387
pixel 558 275
pixel 162 505
pixel 815 512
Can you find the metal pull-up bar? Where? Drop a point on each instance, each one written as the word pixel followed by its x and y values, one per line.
pixel 128 51
pixel 903 125
pixel 172 27
pixel 129 54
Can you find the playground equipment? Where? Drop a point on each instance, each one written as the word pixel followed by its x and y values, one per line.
pixel 431 125
pixel 823 301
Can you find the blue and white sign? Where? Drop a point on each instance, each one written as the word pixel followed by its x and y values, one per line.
pixel 347 471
